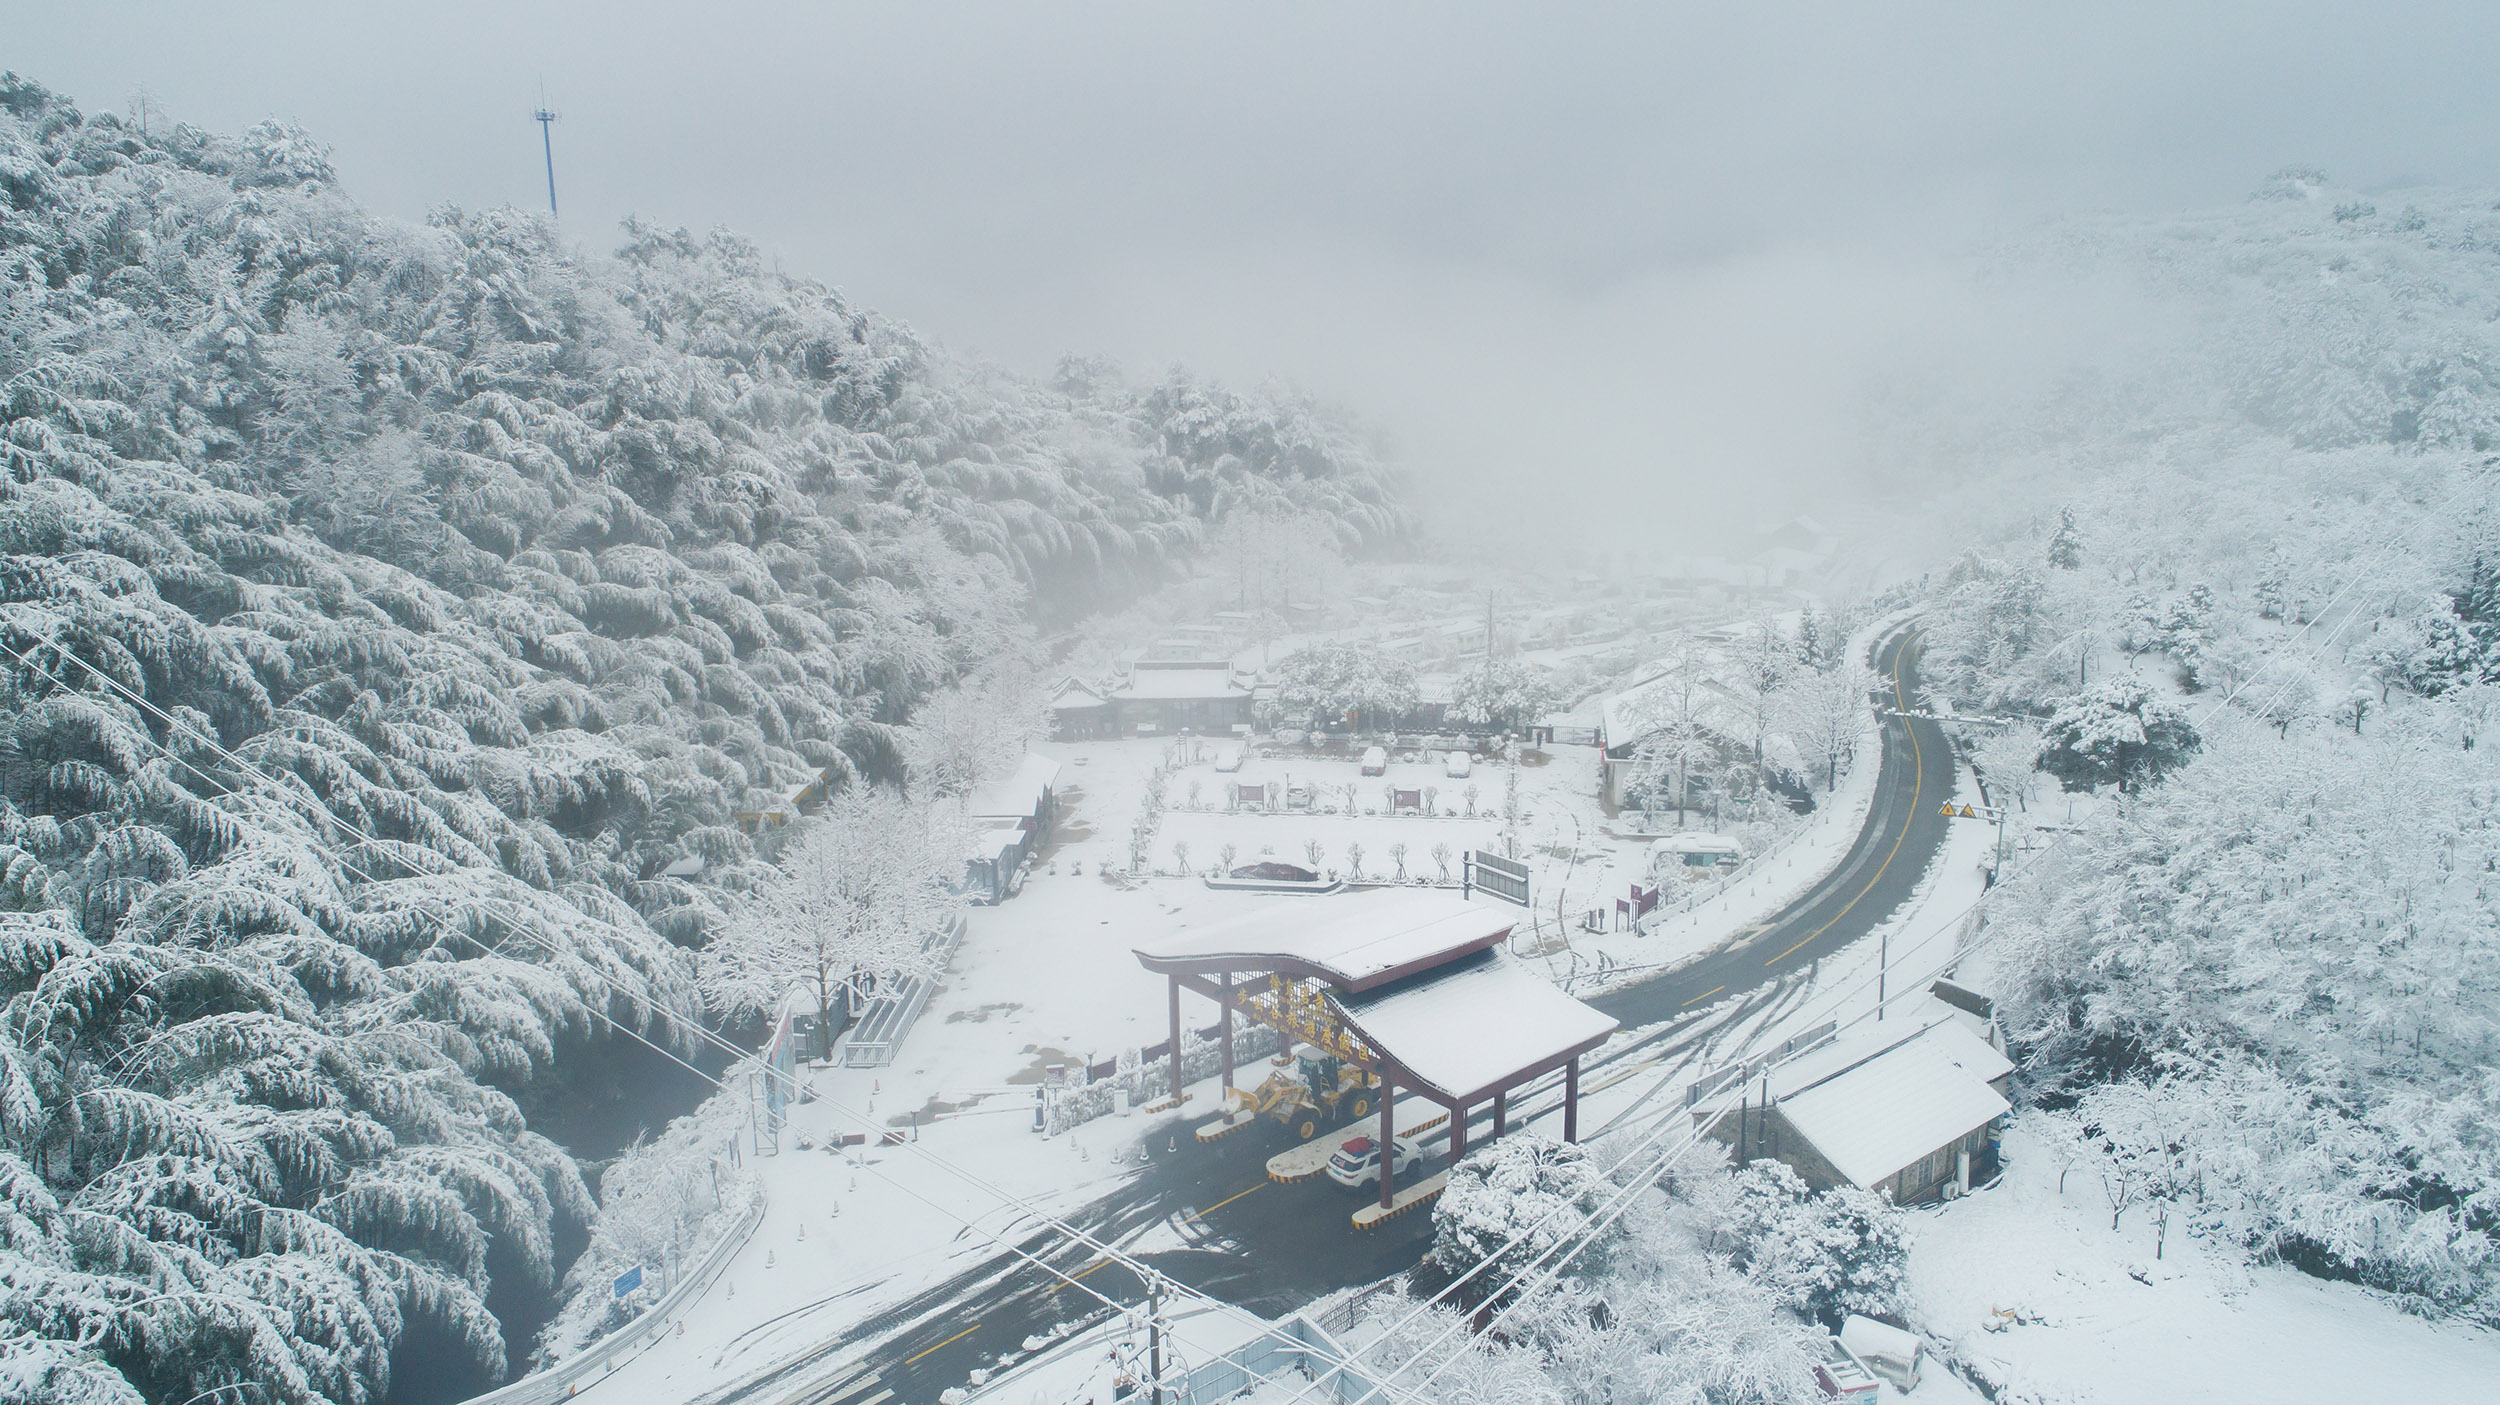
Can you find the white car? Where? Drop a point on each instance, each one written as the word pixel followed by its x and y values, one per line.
pixel 1228 758
pixel 1458 765
pixel 1357 1163
pixel 1376 761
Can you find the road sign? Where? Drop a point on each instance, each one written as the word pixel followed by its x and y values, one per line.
pixel 1506 879
pixel 1990 813
pixel 629 1280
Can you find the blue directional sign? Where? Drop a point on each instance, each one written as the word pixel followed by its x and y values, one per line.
pixel 629 1280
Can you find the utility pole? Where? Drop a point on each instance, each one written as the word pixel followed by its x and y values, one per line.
pixel 545 117
pixel 1154 1328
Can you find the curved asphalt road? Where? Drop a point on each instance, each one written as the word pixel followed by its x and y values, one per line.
pixel 1270 1247
pixel 1902 834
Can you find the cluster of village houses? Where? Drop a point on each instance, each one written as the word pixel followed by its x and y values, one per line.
pixel 1907 1108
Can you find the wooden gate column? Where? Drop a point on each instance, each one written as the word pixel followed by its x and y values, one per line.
pixel 1176 1039
pixel 1226 1021
pixel 1388 1140
pixel 1571 1100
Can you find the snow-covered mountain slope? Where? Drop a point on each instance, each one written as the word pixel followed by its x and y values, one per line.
pixel 385 607
pixel 2249 587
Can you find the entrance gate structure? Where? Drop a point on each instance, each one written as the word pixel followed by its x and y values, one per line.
pixel 1412 986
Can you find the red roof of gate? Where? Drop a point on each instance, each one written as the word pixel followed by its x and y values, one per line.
pixel 1417 974
pixel 1353 942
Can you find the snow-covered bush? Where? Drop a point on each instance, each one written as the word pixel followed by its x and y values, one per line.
pixel 849 912
pixel 1664 1313
pixel 1509 693
pixel 1324 684
pixel 1824 1254
pixel 1525 1187
pixel 2116 732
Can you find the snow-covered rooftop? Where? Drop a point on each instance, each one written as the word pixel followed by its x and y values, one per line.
pixel 991 845
pixel 1640 708
pixel 1076 693
pixel 1020 794
pixel 1147 683
pixel 1872 1107
pixel 1354 942
pixel 1469 1026
pixel 1696 842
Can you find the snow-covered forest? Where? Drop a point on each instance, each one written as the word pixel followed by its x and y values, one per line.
pixel 1715 1286
pixel 385 607
pixel 2242 592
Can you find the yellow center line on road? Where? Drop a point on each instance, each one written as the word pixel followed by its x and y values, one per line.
pixel 959 1336
pixel 1706 994
pixel 1227 1200
pixel 1602 1084
pixel 1075 1278
pixel 1918 781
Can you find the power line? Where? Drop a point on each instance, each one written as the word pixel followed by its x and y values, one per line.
pixel 1146 1273
pixel 1582 1235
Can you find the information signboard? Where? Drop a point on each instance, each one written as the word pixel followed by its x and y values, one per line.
pixel 1506 879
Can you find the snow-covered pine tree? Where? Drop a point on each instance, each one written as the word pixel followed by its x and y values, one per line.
pixel 2116 732
pixel 385 608
pixel 1524 1187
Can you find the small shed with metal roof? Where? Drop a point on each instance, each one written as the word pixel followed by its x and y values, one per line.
pixel 1905 1109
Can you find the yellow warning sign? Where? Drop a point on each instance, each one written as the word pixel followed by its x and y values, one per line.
pixel 1964 813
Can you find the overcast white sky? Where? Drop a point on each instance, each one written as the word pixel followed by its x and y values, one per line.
pixel 1644 252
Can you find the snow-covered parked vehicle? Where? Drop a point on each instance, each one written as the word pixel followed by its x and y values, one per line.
pixel 1357 1163
pixel 1458 765
pixel 1228 758
pixel 1376 761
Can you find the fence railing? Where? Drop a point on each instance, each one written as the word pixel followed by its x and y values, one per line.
pixel 1807 1042
pixel 874 1041
pixel 593 1362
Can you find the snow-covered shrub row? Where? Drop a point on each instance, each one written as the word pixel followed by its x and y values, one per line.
pixel 540 569
pixel 1150 1080
pixel 1707 1290
pixel 2272 984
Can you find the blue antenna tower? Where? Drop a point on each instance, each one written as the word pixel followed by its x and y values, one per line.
pixel 545 117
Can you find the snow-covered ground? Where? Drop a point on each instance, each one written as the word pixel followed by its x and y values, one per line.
pixel 851 1232
pixel 2100 1319
pixel 1051 977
